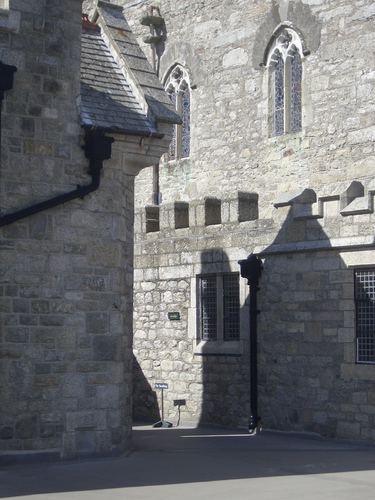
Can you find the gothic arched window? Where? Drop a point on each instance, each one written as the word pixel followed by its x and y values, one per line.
pixel 285 83
pixel 178 88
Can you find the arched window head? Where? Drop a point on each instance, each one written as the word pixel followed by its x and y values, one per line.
pixel 285 82
pixel 178 88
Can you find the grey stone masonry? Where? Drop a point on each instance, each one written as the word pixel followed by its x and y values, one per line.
pixel 279 164
pixel 308 379
pixel 66 272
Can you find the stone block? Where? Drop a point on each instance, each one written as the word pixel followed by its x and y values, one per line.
pixel 26 427
pixel 106 254
pixel 85 420
pixel 39 148
pixel 105 348
pixel 102 441
pixel 21 306
pixel 348 430
pixel 42 335
pixel 51 320
pixel 7 432
pixel 47 380
pixel 16 334
pixel 108 397
pixel 97 323
pixel 73 385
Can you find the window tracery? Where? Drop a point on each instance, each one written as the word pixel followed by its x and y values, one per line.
pixel 285 77
pixel 178 88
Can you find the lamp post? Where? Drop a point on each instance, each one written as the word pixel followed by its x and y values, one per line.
pixel 251 268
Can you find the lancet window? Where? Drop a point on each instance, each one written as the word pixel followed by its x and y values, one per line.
pixel 285 83
pixel 178 88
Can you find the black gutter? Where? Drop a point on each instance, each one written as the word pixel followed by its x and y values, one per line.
pixel 251 268
pixel 97 149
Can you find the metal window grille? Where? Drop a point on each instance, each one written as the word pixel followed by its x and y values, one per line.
pixel 231 307
pixel 208 291
pixel 365 315
pixel 219 307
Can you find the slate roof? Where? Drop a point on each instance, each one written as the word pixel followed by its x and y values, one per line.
pixel 117 29
pixel 107 101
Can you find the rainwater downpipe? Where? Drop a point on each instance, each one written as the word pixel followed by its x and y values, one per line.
pixel 155 37
pixel 97 149
pixel 251 268
pixel 6 83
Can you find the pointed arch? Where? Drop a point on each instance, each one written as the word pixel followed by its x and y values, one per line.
pixel 285 62
pixel 177 86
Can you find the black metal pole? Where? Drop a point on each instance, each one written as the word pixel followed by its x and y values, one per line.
pixel 251 268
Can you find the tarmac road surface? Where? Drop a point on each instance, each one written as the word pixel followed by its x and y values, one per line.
pixel 189 463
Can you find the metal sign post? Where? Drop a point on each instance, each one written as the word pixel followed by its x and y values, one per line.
pixel 162 422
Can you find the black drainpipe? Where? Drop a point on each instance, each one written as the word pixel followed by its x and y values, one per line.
pixel 6 83
pixel 251 268
pixel 97 149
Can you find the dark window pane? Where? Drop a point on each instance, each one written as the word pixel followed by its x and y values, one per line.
pixel 208 290
pixel 231 303
pixel 365 315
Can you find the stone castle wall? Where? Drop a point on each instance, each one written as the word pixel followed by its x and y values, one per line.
pixel 312 226
pixel 222 45
pixel 65 273
pixel 308 378
pixel 181 241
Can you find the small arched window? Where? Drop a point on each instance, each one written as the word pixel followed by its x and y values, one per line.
pixel 285 82
pixel 178 88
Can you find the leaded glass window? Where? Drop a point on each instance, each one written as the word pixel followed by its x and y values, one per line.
pixel 185 128
pixel 172 145
pixel 285 70
pixel 279 97
pixel 365 314
pixel 296 93
pixel 178 88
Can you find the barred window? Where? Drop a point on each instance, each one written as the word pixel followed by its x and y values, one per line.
pixel 285 76
pixel 364 292
pixel 219 307
pixel 178 89
pixel 208 294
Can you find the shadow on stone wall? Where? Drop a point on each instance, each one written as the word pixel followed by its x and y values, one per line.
pixel 306 333
pixel 145 405
pixel 224 367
